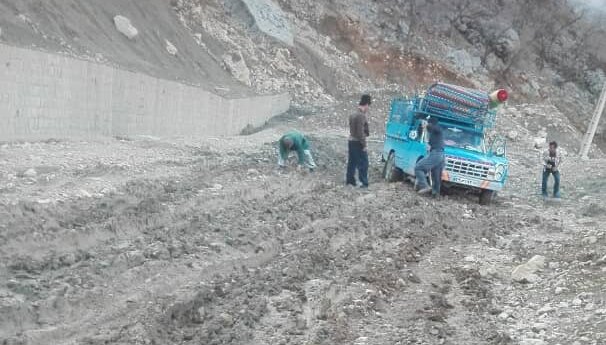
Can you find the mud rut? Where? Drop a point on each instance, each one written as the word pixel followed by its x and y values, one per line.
pixel 233 252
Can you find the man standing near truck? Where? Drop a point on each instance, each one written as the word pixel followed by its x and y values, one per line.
pixel 551 164
pixel 433 163
pixel 295 141
pixel 358 152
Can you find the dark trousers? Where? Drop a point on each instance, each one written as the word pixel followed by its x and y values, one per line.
pixel 357 159
pixel 556 182
pixel 434 164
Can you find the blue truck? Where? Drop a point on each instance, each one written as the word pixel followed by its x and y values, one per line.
pixel 465 115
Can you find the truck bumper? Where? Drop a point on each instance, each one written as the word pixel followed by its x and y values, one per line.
pixel 470 182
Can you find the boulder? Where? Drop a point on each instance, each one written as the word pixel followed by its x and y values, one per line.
pixel 507 44
pixel 539 142
pixel 171 49
pixel 271 20
pixel 236 65
pixel 494 63
pixel 464 61
pixel 30 173
pixel 512 134
pixel 125 27
pixel 525 273
pixel 403 28
pixel 594 80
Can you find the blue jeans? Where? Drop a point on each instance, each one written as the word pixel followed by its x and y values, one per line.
pixel 358 159
pixel 434 163
pixel 556 182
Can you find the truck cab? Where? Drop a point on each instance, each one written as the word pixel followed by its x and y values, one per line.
pixel 465 115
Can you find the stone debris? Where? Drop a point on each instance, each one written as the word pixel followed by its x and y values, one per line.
pixel 525 273
pixel 124 26
pixel 236 65
pixel 171 49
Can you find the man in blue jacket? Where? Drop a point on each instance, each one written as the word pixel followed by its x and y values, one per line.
pixel 434 162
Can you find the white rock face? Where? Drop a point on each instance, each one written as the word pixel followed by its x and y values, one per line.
pixel 237 67
pixel 271 20
pixel 171 49
pixel 124 25
pixel 464 61
pixel 526 272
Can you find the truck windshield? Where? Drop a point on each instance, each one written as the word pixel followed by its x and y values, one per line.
pixel 463 139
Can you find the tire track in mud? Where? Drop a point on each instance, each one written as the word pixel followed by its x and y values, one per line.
pixel 139 202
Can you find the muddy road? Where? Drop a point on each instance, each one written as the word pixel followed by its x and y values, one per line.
pixel 147 241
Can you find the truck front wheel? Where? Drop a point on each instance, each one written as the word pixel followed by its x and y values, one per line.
pixel 486 196
pixel 391 173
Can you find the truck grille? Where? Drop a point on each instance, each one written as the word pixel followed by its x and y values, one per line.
pixel 466 167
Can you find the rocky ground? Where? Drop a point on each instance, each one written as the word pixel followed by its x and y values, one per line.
pixel 147 241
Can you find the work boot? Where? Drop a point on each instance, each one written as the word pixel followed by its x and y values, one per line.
pixel 425 190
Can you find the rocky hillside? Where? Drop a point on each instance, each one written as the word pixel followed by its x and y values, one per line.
pixel 545 51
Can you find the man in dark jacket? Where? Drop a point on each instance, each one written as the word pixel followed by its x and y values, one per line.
pixel 551 166
pixel 434 162
pixel 358 153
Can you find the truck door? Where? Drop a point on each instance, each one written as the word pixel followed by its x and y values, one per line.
pixel 416 145
pixel 396 131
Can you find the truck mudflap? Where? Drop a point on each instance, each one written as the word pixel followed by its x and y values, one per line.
pixel 468 181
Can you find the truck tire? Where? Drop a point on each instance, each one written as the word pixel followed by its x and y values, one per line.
pixel 486 196
pixel 391 173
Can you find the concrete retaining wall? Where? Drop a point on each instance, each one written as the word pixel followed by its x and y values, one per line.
pixel 53 96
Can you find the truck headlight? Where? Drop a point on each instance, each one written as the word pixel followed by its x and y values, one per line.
pixel 500 151
pixel 499 172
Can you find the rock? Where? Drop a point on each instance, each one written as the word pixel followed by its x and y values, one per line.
pixel 594 80
pixel 135 258
pixel 236 65
pixel 171 49
pixel 201 313
pixel 503 316
pixel 529 341
pixel 508 44
pixel 271 20
pixel 464 61
pixel 545 309
pixel 403 28
pixel 538 327
pixel 590 240
pixel 524 273
pixel 512 135
pixel 600 312
pixel 124 25
pixel 469 258
pixel 226 319
pixel 494 63
pixel 365 198
pixel 539 142
pixel 577 302
pixel 31 172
